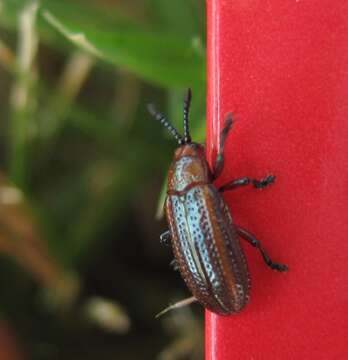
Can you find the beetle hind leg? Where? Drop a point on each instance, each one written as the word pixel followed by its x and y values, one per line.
pixel 256 243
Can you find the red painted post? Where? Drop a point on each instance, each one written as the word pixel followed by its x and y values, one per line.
pixel 282 68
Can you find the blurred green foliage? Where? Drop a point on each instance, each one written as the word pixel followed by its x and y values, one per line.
pixel 89 163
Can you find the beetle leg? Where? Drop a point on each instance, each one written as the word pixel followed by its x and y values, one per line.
pixel 256 243
pixel 257 184
pixel 219 161
pixel 165 238
pixel 174 265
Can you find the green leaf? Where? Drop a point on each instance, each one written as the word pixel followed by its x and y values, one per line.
pixel 161 58
pixel 157 52
pixel 190 21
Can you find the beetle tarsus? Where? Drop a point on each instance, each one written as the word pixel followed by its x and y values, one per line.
pixel 250 238
pixel 279 267
pixel 273 265
pixel 260 184
pixel 257 184
pixel 165 238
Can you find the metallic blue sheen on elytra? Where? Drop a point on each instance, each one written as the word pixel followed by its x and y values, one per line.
pixel 205 243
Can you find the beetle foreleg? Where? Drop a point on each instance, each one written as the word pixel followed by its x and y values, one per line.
pixel 256 243
pixel 219 162
pixel 165 238
pixel 257 184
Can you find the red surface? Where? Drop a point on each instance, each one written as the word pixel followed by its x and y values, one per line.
pixel 282 68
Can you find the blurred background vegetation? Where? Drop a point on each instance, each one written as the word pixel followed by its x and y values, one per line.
pixel 82 273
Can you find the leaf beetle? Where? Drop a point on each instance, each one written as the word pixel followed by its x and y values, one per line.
pixel 204 239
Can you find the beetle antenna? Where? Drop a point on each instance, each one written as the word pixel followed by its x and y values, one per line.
pixel 161 118
pixel 187 103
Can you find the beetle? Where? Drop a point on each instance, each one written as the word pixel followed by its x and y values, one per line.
pixel 204 238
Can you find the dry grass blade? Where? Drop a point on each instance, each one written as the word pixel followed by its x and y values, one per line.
pixel 21 240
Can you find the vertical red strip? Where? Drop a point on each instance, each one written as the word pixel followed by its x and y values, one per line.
pixel 282 68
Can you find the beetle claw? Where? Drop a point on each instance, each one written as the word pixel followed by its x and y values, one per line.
pixel 260 184
pixel 279 267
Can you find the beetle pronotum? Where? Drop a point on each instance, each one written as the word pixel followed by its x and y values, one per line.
pixel 203 236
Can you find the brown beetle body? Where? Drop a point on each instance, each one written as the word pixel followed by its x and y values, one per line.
pixel 204 239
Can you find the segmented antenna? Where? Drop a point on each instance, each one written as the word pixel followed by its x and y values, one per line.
pixel 161 118
pixel 187 103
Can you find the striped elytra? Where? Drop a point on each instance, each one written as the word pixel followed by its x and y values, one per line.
pixel 205 243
